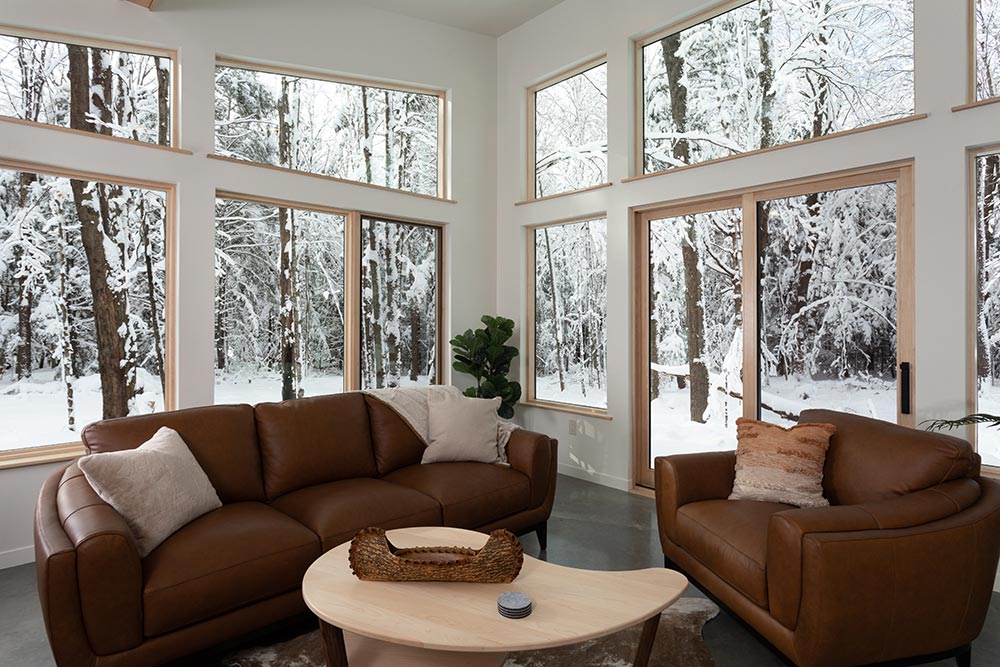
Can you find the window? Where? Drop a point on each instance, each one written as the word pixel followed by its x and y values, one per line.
pixel 986 49
pixel 343 129
pixel 770 302
pixel 279 291
pixel 101 89
pixel 987 266
pixel 772 72
pixel 84 331
pixel 400 303
pixel 567 332
pixel 569 143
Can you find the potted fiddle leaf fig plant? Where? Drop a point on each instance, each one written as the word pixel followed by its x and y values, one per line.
pixel 485 355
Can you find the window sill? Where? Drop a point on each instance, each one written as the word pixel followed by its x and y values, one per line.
pixel 596 413
pixel 761 151
pixel 564 194
pixel 976 105
pixel 94 135
pixel 32 456
pixel 299 172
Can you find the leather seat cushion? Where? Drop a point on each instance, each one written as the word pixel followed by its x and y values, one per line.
pixel 231 557
pixel 336 511
pixel 471 494
pixel 729 537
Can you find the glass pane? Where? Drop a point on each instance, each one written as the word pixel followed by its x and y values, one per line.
pixel 987 49
pixel 124 94
pixel 695 332
pixel 828 303
pixel 571 289
pixel 279 319
pixel 988 320
pixel 82 271
pixel 571 133
pixel 772 72
pixel 399 308
pixel 359 133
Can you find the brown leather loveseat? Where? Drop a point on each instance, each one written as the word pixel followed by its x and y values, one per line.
pixel 900 565
pixel 296 479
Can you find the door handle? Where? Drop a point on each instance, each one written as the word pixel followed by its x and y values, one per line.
pixel 904 381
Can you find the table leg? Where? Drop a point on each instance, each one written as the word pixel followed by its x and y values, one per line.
pixel 646 642
pixel 333 645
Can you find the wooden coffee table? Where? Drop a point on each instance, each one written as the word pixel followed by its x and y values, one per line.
pixel 454 624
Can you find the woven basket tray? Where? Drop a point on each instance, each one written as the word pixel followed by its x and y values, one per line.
pixel 374 558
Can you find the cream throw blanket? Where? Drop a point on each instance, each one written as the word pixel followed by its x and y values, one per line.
pixel 411 404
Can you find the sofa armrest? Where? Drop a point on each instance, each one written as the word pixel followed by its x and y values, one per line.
pixel 534 454
pixel 788 530
pixel 690 478
pixel 108 567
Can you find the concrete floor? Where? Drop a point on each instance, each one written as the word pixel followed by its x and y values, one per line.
pixel 592 527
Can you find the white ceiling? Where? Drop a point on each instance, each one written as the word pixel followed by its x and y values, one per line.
pixel 489 17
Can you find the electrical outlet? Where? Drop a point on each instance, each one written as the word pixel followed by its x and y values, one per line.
pixel 573 427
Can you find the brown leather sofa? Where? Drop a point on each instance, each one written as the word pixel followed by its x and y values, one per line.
pixel 296 479
pixel 900 565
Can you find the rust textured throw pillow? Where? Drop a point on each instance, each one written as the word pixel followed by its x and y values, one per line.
pixel 781 465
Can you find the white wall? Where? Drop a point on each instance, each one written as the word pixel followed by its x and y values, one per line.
pixel 312 33
pixel 577 30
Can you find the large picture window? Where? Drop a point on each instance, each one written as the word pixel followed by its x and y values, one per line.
pixel 987 325
pixel 347 130
pixel 279 291
pixel 570 138
pixel 108 90
pixel 83 305
pixel 770 302
pixel 986 49
pixel 568 334
pixel 772 72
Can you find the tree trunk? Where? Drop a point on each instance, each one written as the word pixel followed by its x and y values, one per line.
pixel 674 65
pixel 162 101
pixel 65 335
pixel 392 250
pixel 286 222
pixel 375 330
pixel 101 80
pixel 151 295
pixel 366 127
pixel 416 344
pixel 25 291
pixel 765 76
pixel 556 322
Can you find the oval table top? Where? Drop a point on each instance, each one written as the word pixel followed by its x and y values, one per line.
pixel 569 605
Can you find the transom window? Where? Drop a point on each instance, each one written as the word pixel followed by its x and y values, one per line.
pixel 986 49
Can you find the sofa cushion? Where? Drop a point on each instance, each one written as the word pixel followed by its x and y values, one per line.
pixel 223 438
pixel 310 441
pixel 729 537
pixel 395 443
pixel 871 460
pixel 231 557
pixel 336 511
pixel 471 494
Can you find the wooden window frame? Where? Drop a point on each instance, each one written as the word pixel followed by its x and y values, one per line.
pixel 531 399
pixel 972 307
pixel 353 252
pixel 639 120
pixel 531 193
pixel 443 186
pixel 972 100
pixel 114 45
pixel 15 458
pixel 900 173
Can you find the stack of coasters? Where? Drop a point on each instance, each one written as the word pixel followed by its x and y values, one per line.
pixel 514 605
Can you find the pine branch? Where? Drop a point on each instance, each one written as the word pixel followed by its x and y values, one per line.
pixel 968 420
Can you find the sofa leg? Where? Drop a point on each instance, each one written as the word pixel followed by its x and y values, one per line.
pixel 964 656
pixel 542 532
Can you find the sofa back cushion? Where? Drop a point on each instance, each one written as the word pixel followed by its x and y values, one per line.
pixel 395 443
pixel 309 441
pixel 223 439
pixel 872 460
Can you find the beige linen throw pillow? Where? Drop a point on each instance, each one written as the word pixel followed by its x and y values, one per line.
pixel 461 428
pixel 779 465
pixel 157 487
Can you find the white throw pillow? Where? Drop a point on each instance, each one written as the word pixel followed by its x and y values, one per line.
pixel 461 428
pixel 157 487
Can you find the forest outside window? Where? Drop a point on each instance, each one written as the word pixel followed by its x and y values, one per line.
pixel 347 130
pixel 108 90
pixel 986 49
pixel 568 301
pixel 773 72
pixel 84 326
pixel 569 141
pixel 987 293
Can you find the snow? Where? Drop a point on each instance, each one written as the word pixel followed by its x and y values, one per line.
pixel 547 389
pixel 267 388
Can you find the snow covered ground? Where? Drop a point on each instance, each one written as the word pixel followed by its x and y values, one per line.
pixel 267 389
pixel 547 389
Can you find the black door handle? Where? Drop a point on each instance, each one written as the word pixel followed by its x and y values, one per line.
pixel 904 388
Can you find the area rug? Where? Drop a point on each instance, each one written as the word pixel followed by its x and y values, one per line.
pixel 678 643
